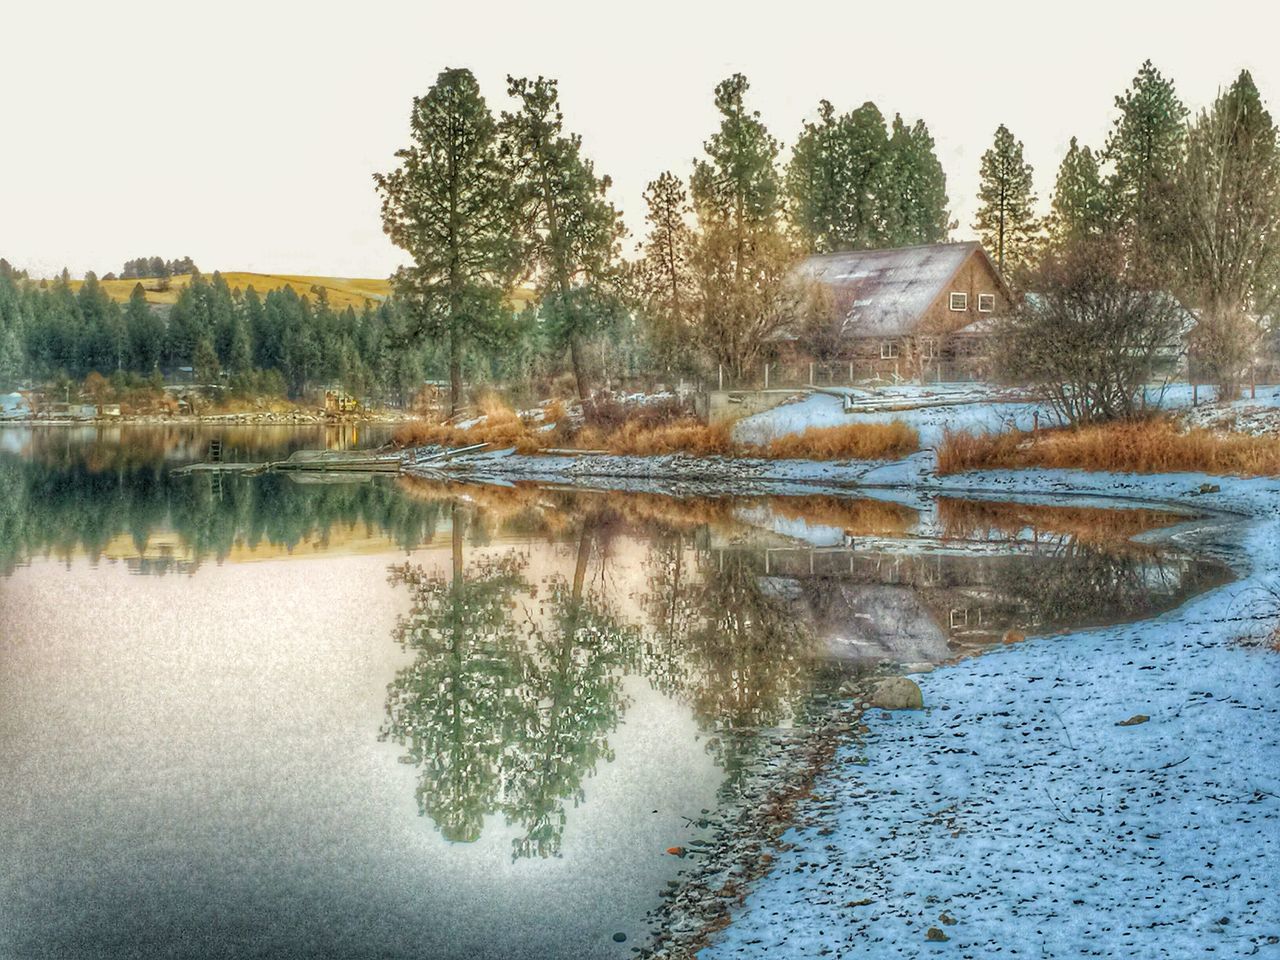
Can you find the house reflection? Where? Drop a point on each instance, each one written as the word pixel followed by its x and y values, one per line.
pixel 518 686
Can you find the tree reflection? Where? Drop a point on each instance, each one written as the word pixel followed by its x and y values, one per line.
pixel 73 504
pixel 581 651
pixel 729 644
pixel 455 708
pixel 503 712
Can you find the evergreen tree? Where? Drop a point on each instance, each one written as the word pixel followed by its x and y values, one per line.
pixel 1006 221
pixel 1144 149
pixel 205 366
pixel 13 360
pixel 742 258
pixel 449 206
pixel 1228 228
pixel 914 188
pixel 663 273
pixel 835 179
pixel 1079 197
pixel 573 230
pixel 144 333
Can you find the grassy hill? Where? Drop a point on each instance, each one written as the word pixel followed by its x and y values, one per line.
pixel 342 291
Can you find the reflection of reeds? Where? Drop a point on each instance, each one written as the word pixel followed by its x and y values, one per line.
pixel 1154 446
pixel 497 507
pixel 981 519
pixel 859 516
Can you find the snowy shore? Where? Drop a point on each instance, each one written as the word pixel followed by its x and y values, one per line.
pixel 1013 816
pixel 1021 813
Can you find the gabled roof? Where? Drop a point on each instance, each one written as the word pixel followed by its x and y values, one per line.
pixel 884 293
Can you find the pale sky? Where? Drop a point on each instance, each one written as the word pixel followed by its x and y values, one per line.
pixel 245 135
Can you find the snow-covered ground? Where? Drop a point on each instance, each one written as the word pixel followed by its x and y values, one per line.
pixel 827 410
pixel 934 408
pixel 1015 817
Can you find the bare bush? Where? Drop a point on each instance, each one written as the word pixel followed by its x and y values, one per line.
pixel 1091 335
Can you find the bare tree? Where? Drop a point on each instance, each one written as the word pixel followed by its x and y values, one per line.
pixel 1092 334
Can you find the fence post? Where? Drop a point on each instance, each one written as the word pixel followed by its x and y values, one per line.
pixel 721 387
pixel 766 376
pixel 811 374
pixel 850 371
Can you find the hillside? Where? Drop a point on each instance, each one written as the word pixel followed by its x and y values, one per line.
pixel 342 291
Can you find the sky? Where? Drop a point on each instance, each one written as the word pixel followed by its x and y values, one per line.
pixel 246 135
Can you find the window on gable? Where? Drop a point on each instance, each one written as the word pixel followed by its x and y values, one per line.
pixel 959 301
pixel 986 302
pixel 889 350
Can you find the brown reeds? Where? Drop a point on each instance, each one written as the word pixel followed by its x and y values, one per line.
pixel 1151 446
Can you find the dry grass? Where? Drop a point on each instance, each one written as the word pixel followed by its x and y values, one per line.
pixel 1153 446
pixel 981 519
pixel 853 441
pixel 501 426
pixel 692 437
pixel 652 433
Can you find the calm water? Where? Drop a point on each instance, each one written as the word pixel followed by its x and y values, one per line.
pixel 253 717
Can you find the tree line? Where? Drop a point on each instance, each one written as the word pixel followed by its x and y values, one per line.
pixel 1169 232
pixel 485 203
pixel 482 202
pixel 281 342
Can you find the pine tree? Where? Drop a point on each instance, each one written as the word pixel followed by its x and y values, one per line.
pixel 663 273
pixel 835 179
pixel 449 206
pixel 204 363
pixel 573 231
pixel 1006 221
pixel 914 186
pixel 1079 197
pixel 742 257
pixel 1145 149
pixel 1228 231
pixel 143 331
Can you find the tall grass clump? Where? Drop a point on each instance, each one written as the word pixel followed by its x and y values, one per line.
pixel 1150 446
pixel 852 441
pixel 690 436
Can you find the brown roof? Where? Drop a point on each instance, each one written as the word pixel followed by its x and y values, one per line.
pixel 884 293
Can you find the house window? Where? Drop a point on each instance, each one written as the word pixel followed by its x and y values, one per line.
pixel 928 348
pixel 959 618
pixel 986 302
pixel 889 350
pixel 959 301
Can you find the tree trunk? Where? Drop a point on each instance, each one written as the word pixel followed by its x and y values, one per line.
pixel 579 373
pixel 455 374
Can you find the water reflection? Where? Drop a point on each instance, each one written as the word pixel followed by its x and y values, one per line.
pixel 505 709
pixel 528 640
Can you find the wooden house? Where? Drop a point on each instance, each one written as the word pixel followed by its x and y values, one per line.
pixel 925 312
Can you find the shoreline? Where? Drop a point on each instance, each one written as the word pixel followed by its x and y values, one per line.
pixel 248 419
pixel 879 854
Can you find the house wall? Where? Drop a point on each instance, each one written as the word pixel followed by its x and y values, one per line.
pixel 962 357
pixel 974 277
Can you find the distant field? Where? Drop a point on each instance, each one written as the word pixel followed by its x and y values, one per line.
pixel 342 291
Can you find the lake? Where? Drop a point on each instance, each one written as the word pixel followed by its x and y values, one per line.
pixel 386 717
